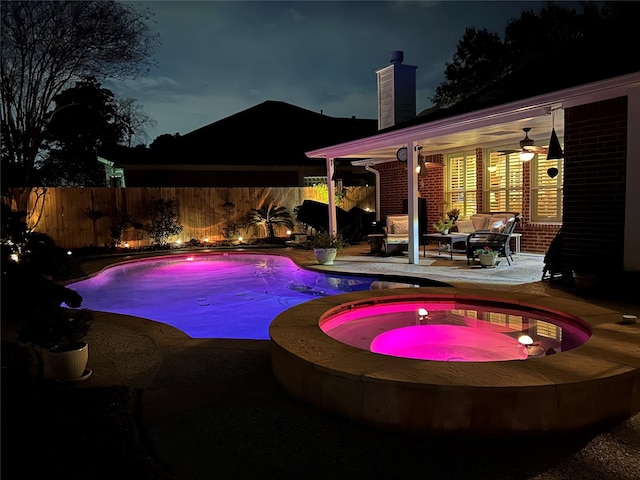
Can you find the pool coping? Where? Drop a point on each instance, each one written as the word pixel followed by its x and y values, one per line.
pixel 591 384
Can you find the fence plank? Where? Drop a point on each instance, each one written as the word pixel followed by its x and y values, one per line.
pixel 201 211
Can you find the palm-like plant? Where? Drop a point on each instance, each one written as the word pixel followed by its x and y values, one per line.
pixel 268 217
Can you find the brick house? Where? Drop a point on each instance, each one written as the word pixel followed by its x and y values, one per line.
pixel 469 156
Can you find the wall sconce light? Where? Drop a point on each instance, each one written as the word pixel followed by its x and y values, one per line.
pixel 422 167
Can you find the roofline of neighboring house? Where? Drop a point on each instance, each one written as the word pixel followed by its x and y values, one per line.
pixel 206 167
pixel 508 112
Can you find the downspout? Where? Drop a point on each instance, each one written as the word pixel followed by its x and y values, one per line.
pixel 377 174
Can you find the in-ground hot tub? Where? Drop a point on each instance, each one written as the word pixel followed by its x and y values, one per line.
pixel 594 379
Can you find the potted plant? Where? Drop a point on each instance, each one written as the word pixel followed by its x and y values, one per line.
pixel 453 214
pixel 33 317
pixel 32 306
pixel 325 246
pixel 443 225
pixel 487 256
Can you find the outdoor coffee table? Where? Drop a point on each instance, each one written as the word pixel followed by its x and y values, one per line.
pixel 442 239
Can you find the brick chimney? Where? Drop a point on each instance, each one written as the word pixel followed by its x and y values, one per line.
pixel 396 92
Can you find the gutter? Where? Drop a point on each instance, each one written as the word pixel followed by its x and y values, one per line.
pixel 377 174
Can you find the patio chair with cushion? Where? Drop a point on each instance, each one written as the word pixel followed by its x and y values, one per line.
pixel 396 234
pixel 496 235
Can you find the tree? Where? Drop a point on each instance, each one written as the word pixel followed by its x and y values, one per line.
pixel 481 57
pixel 135 121
pixel 74 136
pixel 268 217
pixel 45 47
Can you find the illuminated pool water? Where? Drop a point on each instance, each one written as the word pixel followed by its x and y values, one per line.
pixel 214 295
pixel 455 331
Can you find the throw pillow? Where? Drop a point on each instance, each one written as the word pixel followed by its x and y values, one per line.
pixel 465 226
pixel 497 226
pixel 401 227
pixel 480 221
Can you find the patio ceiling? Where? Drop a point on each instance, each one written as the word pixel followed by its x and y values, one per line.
pixel 500 135
pixel 500 126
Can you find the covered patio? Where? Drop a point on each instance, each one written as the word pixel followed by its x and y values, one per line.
pixel 500 126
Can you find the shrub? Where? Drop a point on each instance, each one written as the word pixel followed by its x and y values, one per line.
pixel 164 221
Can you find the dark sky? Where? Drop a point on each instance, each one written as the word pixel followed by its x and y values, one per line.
pixel 219 58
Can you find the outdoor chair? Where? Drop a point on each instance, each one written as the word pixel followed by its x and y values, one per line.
pixel 396 234
pixel 497 237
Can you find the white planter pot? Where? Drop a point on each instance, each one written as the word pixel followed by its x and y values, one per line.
pixel 325 256
pixel 66 366
pixel 487 260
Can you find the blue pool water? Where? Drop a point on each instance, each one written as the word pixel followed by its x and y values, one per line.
pixel 214 295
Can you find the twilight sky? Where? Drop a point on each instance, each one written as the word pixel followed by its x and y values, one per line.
pixel 218 58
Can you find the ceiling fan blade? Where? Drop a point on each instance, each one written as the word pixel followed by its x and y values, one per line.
pixel 535 149
pixel 507 152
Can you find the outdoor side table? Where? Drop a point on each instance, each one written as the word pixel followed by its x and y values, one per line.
pixel 448 239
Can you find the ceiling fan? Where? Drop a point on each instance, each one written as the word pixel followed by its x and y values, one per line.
pixel 527 147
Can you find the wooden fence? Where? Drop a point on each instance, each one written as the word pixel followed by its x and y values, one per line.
pixel 81 217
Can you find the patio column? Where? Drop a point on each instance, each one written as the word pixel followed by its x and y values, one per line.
pixel 412 203
pixel 331 192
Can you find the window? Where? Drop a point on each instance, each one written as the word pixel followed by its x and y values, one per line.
pixel 546 192
pixel 503 182
pixel 311 181
pixel 462 184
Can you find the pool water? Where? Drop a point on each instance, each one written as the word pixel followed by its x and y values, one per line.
pixel 455 331
pixel 212 296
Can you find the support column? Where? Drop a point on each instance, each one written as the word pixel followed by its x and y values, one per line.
pixel 331 191
pixel 412 203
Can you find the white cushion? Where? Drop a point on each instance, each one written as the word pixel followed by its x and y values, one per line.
pixel 395 238
pixel 393 220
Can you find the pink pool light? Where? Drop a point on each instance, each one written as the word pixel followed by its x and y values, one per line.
pixel 449 343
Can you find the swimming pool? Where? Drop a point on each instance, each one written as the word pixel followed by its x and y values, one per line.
pixel 212 295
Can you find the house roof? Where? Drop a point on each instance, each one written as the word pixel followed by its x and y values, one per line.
pixel 270 133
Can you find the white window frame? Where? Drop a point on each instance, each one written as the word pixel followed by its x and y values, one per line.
pixel 539 167
pixel 467 200
pixel 509 188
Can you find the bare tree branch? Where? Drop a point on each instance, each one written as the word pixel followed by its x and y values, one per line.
pixel 46 45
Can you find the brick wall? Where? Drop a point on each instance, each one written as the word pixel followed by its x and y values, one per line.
pixel 594 188
pixel 393 188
